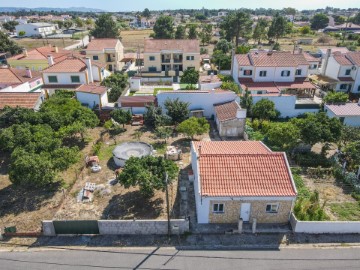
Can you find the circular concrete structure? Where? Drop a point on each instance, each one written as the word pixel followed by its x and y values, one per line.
pixel 126 150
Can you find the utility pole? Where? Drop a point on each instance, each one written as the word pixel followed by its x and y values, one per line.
pixel 167 203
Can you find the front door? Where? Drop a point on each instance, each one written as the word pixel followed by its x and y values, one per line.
pixel 245 212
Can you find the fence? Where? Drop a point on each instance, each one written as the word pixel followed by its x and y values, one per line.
pixel 320 227
pixel 114 227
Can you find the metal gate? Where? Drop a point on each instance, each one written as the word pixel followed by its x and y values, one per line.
pixel 76 226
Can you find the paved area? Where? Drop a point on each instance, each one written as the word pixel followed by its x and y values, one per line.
pixel 172 258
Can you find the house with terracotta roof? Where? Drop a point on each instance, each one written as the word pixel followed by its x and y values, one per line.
pixel 230 119
pixel 108 51
pixel 241 180
pixel 279 76
pixel 136 104
pixel 28 100
pixel 168 58
pixel 37 59
pixel 347 113
pixel 92 95
pixel 20 80
pixel 344 69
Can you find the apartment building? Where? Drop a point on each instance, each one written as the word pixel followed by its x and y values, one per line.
pixel 170 57
pixel 36 29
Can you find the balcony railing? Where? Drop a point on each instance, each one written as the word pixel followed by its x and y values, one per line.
pixel 163 60
pixel 178 60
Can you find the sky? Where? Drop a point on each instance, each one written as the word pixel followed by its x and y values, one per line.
pixel 128 5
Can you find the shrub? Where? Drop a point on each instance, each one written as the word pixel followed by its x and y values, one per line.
pixel 311 159
pixel 96 148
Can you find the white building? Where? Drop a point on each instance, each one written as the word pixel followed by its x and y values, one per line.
pixel 36 29
pixel 92 95
pixel 348 113
pixel 20 80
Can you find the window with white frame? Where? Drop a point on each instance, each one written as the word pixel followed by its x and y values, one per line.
pixel 347 72
pixel 263 73
pixel 285 73
pixel 313 66
pixel 190 58
pixel 218 208
pixel 272 208
pixel 247 72
pixel 298 72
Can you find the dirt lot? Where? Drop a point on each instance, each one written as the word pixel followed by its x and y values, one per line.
pixel 133 38
pixel 30 43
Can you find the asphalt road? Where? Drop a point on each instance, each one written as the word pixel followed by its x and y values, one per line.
pixel 170 258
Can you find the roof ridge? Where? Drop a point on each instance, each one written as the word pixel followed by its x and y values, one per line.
pixel 244 154
pixel 11 70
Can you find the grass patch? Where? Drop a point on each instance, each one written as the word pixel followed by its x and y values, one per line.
pixel 347 211
pixel 105 152
pixel 156 90
pixel 303 190
pixel 160 147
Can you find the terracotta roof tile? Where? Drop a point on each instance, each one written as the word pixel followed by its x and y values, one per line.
pixel 226 111
pixel 41 53
pixel 102 43
pixel 345 79
pixel 231 147
pixel 92 89
pixel 186 45
pixel 226 172
pixel 348 109
pixel 271 59
pixel 354 57
pixel 342 59
pixel 71 64
pixel 13 76
pixel 23 99
pixel 243 59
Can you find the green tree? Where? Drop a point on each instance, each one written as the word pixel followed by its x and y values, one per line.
pixel 67 24
pixel 194 126
pixel 352 154
pixel 205 33
pixel 246 102
pixel 105 27
pixel 177 110
pixel 78 22
pixel 146 13
pixel 190 76
pixel 180 32
pixel 10 26
pixel 319 21
pixel 154 117
pixel 243 49
pixel 147 173
pixel 163 132
pixel 336 97
pixel 260 31
pixel 89 22
pixel 164 27
pixel 63 157
pixel 192 33
pixel 232 86
pixel 264 110
pixel 277 28
pixel 356 19
pixel 339 19
pixel 7 45
pixel 348 135
pixel 221 59
pixel 305 30
pixel 237 24
pixel 117 82
pixel 284 136
pixel 223 45
pixel 121 116
pixel 22 33
pixel 200 17
pixel 59 23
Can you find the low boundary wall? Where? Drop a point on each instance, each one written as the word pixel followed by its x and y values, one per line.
pixel 319 227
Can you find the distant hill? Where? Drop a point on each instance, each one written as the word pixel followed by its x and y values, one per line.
pixel 47 9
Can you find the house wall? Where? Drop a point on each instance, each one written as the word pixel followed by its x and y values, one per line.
pixel 104 99
pixel 198 101
pixel 270 74
pixel 65 78
pixel 304 71
pixel 353 121
pixel 30 30
pixel 315 70
pixel 118 51
pixel 332 69
pixel 210 86
pixel 278 77
pixel 235 71
pixel 135 110
pixel 356 88
pixel 231 128
pixel 87 98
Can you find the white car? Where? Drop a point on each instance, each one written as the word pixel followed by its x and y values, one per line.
pixel 95 168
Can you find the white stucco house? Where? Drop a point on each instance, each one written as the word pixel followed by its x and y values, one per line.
pixel 36 29
pixel 20 80
pixel 241 180
pixel 92 95
pixel 347 113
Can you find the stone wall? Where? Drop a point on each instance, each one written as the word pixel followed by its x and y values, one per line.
pixel 142 226
pixel 232 128
pixel 258 210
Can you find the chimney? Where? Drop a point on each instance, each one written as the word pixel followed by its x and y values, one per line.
pixel 28 72
pixel 56 49
pixel 89 67
pixel 25 52
pixel 50 60
pixel 326 61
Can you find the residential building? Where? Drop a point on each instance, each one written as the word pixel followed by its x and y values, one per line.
pixel 241 180
pixel 222 14
pixel 36 59
pixel 230 119
pixel 92 95
pixel 348 27
pixel 347 113
pixel 278 76
pixel 36 29
pixel 344 68
pixel 136 104
pixel 28 100
pixel 170 57
pixel 201 103
pixel 108 51
pixel 20 80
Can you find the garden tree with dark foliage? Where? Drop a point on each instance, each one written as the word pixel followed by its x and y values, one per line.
pixel 192 33
pixel 164 27
pixel 260 31
pixel 190 76
pixel 79 22
pixel 194 126
pixel 8 46
pixel 154 117
pixel 348 135
pixel 146 13
pixel 336 97
pixel 352 154
pixel 283 136
pixel 147 173
pixel 305 30
pixel 243 49
pixel 205 33
pixel 318 127
pixel 177 110
pixel 10 26
pixel 67 24
pixel 237 24
pixel 223 45
pixel 319 21
pixel 339 19
pixel 356 19
pixel 232 86
pixel 180 32
pixel 121 116
pixel 277 28
pixel 264 110
pixel 117 82
pixel 246 102
pixel 221 59
pixel 105 27
pixel 163 132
